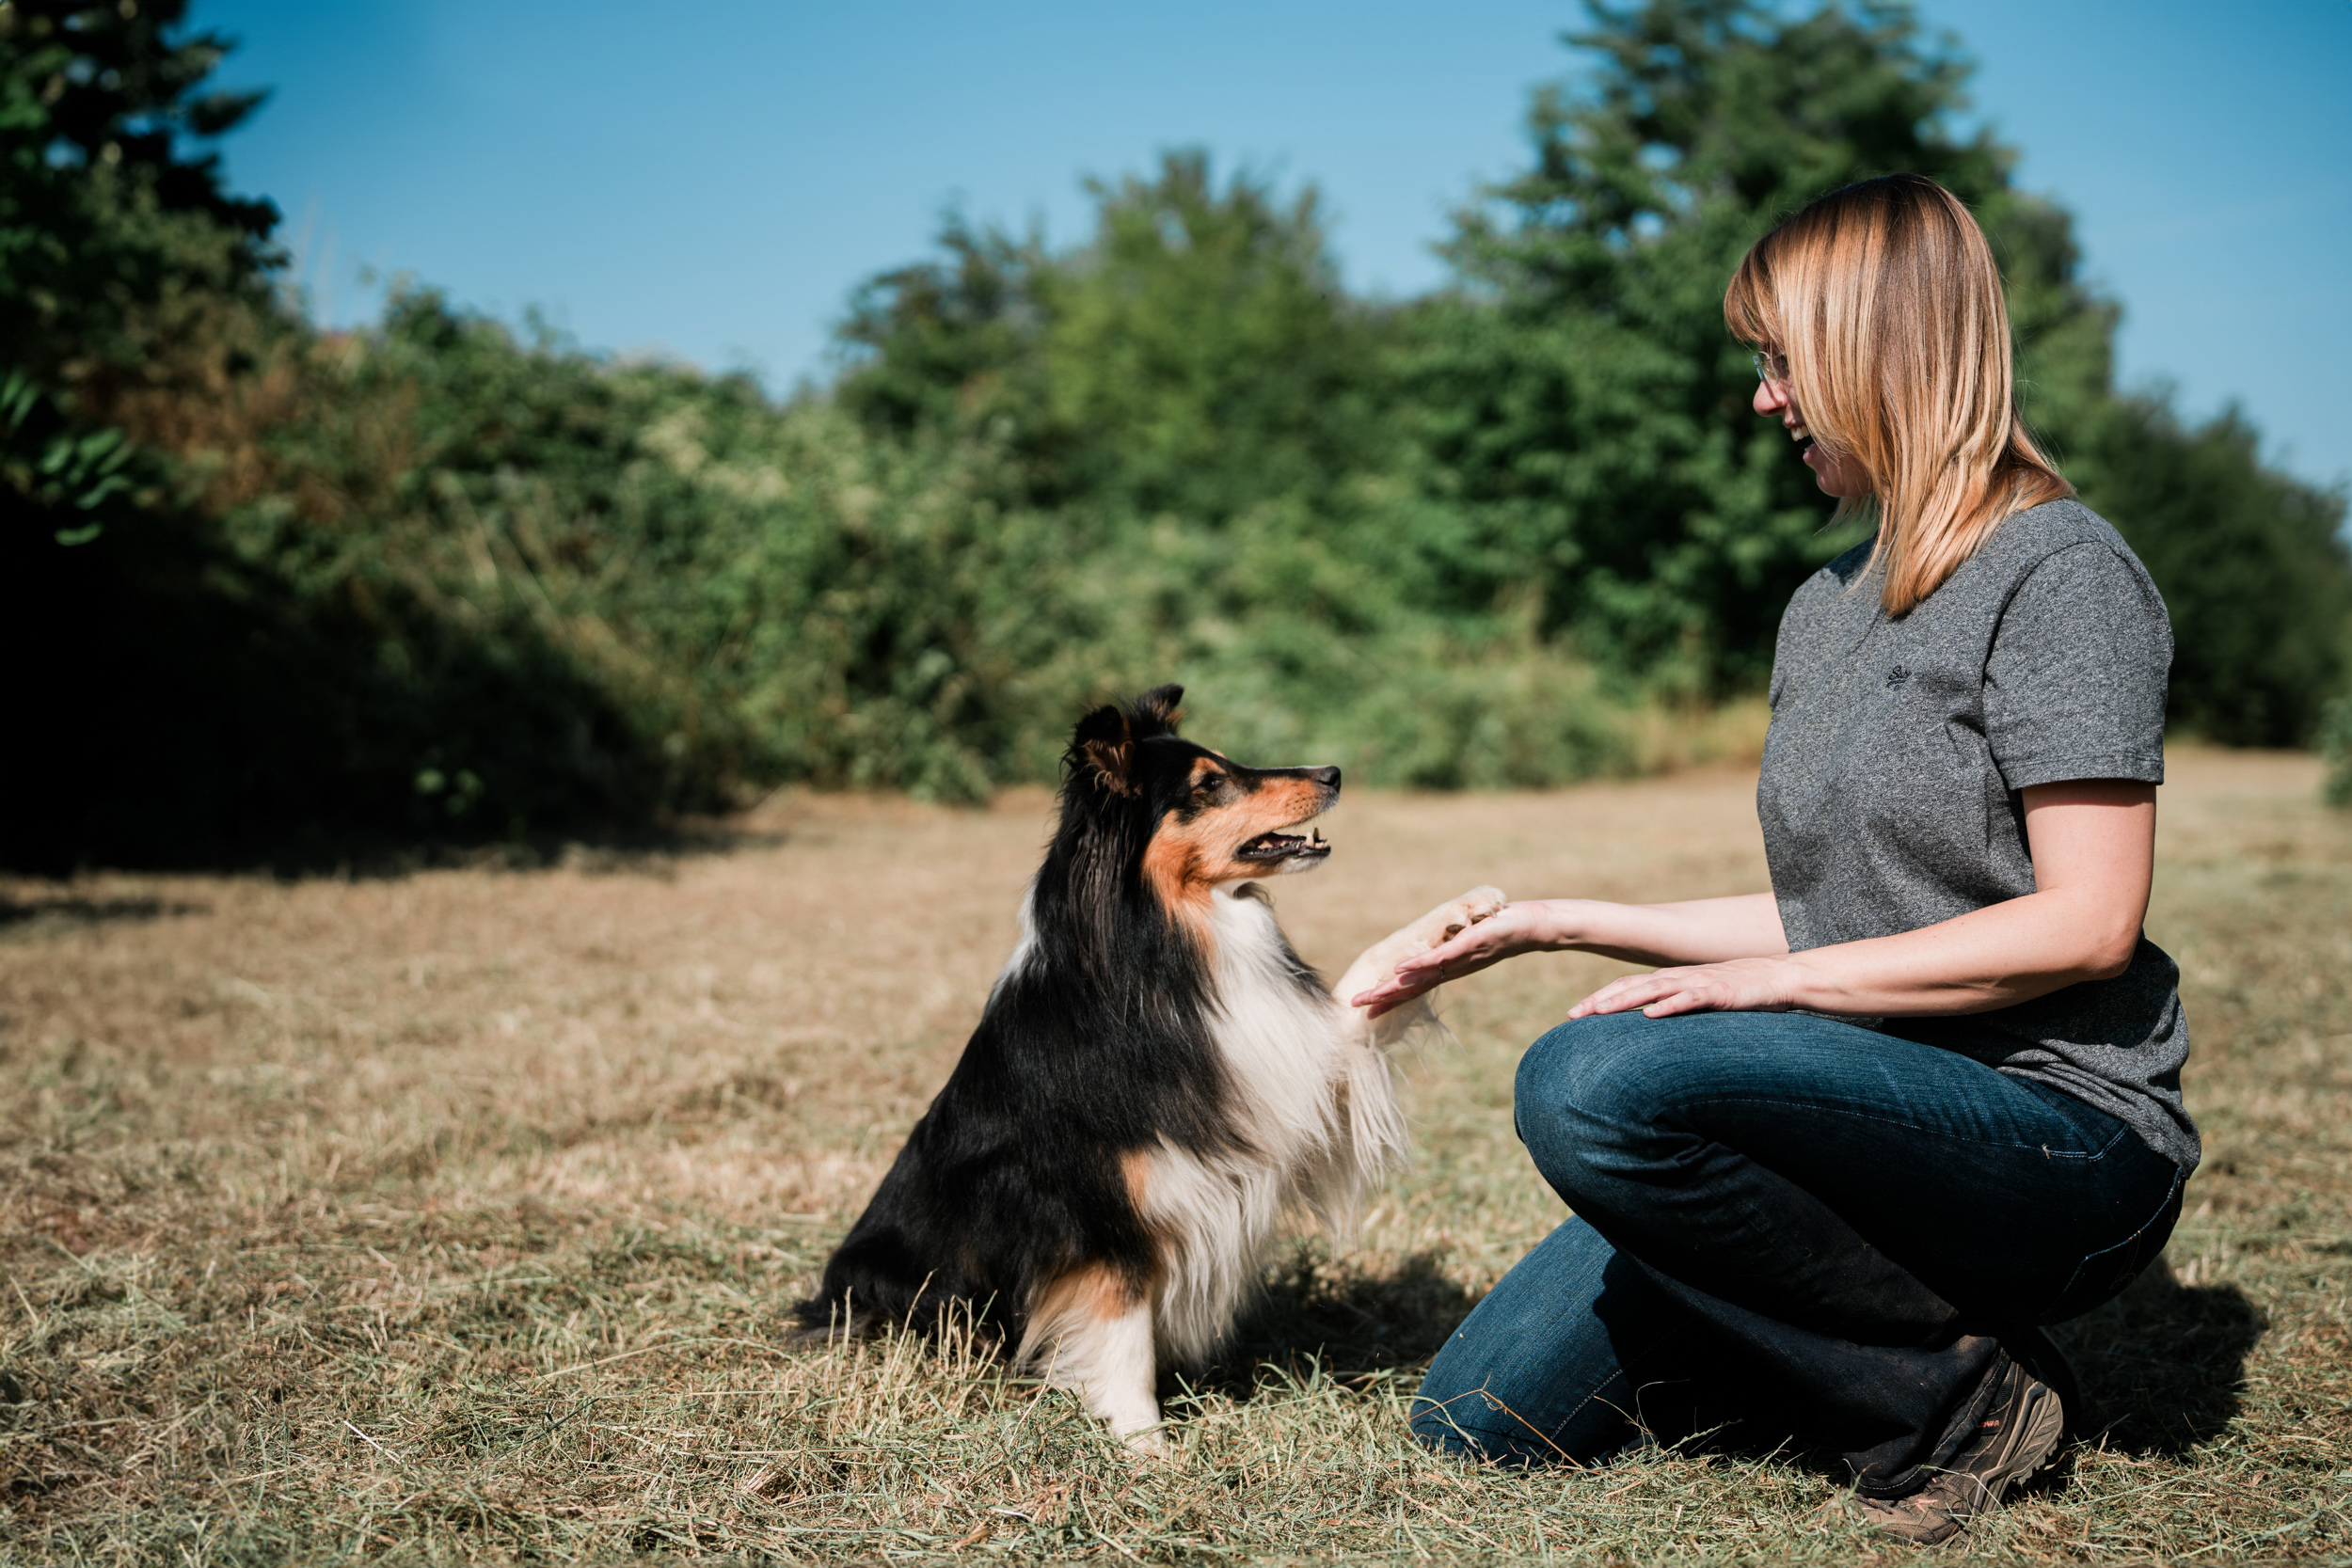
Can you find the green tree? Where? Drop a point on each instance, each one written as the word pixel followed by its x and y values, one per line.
pixel 1195 357
pixel 2252 564
pixel 113 234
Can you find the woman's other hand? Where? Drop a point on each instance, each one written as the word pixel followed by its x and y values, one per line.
pixel 1741 985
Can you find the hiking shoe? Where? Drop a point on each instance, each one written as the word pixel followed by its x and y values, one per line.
pixel 2018 1433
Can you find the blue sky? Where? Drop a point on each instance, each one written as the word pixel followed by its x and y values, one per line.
pixel 709 178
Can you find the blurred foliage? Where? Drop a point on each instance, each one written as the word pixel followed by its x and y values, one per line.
pixel 117 249
pixel 2335 748
pixel 440 580
pixel 2253 565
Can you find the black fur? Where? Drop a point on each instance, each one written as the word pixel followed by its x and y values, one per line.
pixel 1095 1046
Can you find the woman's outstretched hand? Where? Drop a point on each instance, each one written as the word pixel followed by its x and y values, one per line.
pixel 1641 934
pixel 1512 929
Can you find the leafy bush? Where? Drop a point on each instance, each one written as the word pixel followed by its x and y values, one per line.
pixel 2335 748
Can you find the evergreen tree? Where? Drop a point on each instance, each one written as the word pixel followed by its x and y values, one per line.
pixel 114 232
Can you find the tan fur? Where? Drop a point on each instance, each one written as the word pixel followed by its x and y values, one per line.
pixel 1175 864
pixel 1134 1168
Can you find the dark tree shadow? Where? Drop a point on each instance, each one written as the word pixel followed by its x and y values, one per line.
pixel 1353 1325
pixel 69 911
pixel 179 707
pixel 2163 1366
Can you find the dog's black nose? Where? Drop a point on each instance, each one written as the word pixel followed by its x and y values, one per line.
pixel 1328 777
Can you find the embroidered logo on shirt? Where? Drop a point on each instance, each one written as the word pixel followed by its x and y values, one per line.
pixel 1898 676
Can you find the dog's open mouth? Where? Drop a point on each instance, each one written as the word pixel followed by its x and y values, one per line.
pixel 1310 844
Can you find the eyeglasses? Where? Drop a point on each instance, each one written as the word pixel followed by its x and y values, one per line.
pixel 1770 368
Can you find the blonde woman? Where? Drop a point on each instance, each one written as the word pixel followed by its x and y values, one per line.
pixel 1835 1160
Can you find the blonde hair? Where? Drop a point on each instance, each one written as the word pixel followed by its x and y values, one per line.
pixel 1885 300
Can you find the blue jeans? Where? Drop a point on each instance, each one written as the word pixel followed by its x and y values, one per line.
pixel 1794 1224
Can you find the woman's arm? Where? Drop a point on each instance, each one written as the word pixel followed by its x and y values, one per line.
pixel 1701 931
pixel 2093 847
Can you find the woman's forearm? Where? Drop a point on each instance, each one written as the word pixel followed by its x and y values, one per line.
pixel 2093 844
pixel 1990 957
pixel 1696 931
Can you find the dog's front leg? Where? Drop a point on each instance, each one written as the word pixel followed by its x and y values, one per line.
pixel 1093 1335
pixel 1122 1377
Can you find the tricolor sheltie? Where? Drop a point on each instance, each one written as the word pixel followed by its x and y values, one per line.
pixel 1158 1078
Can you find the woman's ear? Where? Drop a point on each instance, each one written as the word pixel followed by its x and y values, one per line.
pixel 1104 745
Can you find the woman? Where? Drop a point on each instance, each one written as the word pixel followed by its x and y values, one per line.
pixel 1835 1160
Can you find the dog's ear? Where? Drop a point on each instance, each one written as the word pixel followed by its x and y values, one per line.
pixel 1157 711
pixel 1104 744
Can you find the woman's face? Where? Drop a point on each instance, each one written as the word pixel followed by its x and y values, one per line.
pixel 1837 475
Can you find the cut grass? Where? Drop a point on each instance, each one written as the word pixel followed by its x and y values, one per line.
pixel 453 1217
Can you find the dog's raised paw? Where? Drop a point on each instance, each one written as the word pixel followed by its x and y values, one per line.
pixel 1479 903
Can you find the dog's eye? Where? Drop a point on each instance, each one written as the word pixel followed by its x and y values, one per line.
pixel 1207 782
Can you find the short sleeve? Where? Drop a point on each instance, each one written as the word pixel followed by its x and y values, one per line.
pixel 2075 684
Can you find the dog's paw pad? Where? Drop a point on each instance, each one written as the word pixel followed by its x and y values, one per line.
pixel 1482 903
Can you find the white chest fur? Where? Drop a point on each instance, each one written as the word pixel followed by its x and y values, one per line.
pixel 1314 1106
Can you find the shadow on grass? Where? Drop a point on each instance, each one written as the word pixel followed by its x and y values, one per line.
pixel 1354 1324
pixel 2164 1365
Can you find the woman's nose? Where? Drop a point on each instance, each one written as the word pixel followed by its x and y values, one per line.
pixel 1770 398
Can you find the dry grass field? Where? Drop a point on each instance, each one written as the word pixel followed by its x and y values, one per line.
pixel 452 1216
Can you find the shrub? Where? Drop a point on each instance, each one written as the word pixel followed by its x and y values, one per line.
pixel 2335 748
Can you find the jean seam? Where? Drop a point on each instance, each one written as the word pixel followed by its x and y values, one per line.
pixel 2170 1192
pixel 2088 1158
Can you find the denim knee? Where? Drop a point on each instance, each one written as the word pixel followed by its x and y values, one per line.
pixel 1590 1091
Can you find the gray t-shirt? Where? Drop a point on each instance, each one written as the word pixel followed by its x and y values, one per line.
pixel 1889 790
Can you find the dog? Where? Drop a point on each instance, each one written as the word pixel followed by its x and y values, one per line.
pixel 1156 1081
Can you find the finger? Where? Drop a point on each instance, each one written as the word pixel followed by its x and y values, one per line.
pixel 1624 993
pixel 1388 994
pixel 1387 1003
pixel 1454 958
pixel 1680 1002
pixel 1453 947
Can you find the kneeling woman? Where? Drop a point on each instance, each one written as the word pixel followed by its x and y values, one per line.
pixel 1834 1166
